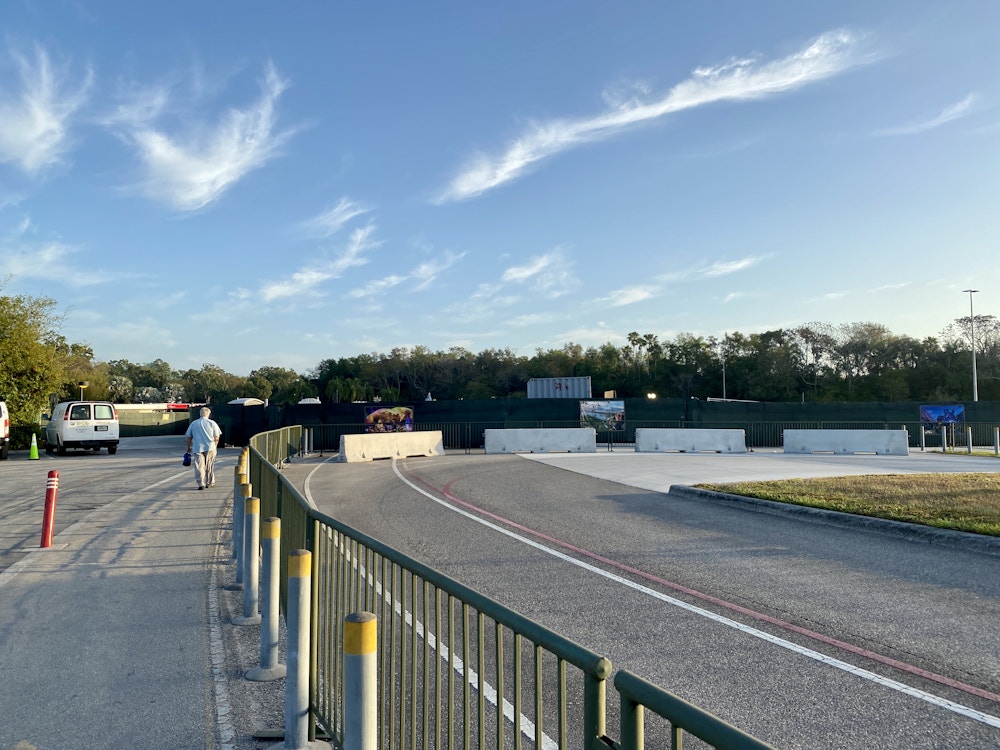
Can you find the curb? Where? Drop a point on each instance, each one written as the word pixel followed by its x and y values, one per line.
pixel 915 532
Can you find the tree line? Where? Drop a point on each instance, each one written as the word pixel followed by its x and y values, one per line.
pixel 811 362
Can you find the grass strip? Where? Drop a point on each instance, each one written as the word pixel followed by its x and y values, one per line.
pixel 960 502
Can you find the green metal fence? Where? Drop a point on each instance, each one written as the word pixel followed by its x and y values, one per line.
pixel 456 669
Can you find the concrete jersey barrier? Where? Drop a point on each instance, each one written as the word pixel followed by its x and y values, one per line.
pixel 370 446
pixel 542 440
pixel 879 442
pixel 694 440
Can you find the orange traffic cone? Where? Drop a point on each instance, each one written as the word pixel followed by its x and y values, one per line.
pixel 33 454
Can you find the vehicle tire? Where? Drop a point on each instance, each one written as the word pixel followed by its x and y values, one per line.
pixel 97 449
pixel 112 450
pixel 49 449
pixel 61 449
pixel 3 451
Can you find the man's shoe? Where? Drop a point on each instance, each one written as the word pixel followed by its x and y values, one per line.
pixel 201 488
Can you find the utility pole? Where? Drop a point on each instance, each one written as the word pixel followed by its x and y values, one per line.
pixel 972 332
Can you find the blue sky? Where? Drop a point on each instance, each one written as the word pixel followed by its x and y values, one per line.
pixel 258 183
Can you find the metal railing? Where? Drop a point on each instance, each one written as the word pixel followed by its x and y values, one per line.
pixel 456 669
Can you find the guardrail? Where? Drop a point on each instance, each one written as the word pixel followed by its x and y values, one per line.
pixel 456 669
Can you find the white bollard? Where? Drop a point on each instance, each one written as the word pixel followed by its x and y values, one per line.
pixel 269 668
pixel 251 563
pixel 360 682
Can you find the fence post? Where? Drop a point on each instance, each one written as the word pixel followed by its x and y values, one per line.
pixel 360 682
pixel 269 668
pixel 251 563
pixel 632 724
pixel 968 439
pixel 298 618
pixel 996 441
pixel 944 439
pixel 595 702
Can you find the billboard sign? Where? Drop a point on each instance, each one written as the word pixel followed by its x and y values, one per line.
pixel 388 419
pixel 942 415
pixel 603 416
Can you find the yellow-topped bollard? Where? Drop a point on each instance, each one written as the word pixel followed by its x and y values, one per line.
pixel 360 681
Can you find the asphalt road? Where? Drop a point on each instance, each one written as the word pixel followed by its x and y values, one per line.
pixel 802 632
pixel 87 481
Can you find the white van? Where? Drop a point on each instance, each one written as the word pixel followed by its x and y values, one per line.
pixel 90 425
pixel 4 431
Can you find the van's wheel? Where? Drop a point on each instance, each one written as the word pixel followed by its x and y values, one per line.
pixel 112 449
pixel 61 449
pixel 50 449
pixel 96 449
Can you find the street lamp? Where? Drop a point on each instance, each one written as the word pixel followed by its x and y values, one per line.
pixel 972 333
pixel 83 384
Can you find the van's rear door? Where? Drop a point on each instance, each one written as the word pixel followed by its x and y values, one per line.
pixel 79 425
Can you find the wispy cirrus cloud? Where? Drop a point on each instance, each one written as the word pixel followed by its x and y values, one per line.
pixel 549 274
pixel 948 114
pixel 35 260
pixel 422 276
pixel 332 221
pixel 307 279
pixel 629 295
pixel 632 294
pixel 35 119
pixel 739 80
pixel 188 173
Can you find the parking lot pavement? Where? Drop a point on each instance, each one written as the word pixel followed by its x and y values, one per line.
pixel 660 471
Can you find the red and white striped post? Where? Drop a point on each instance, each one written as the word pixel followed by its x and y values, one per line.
pixel 49 519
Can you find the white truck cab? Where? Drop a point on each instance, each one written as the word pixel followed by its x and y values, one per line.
pixel 89 425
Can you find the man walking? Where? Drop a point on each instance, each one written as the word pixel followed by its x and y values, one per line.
pixel 202 440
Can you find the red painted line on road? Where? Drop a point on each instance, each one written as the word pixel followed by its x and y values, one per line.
pixel 753 614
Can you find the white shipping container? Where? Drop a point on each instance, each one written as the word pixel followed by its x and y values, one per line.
pixel 576 387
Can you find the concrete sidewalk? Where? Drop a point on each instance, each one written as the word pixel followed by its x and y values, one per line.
pixel 117 636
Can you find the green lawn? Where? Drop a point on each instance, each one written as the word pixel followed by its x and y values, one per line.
pixel 961 502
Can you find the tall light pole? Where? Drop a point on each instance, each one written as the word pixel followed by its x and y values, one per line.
pixel 972 332
pixel 722 356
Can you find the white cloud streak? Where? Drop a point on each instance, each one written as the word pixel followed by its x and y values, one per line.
pixel 550 274
pixel 305 280
pixel 632 294
pixel 948 114
pixel 35 121
pixel 830 54
pixel 330 222
pixel 190 175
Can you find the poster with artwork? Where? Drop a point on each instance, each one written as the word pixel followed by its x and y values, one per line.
pixel 941 415
pixel 603 416
pixel 388 419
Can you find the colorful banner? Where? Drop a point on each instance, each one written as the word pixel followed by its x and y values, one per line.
pixel 388 419
pixel 603 415
pixel 939 415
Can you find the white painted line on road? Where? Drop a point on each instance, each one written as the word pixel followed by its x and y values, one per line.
pixel 526 725
pixel 922 695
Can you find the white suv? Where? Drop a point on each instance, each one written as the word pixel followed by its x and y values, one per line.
pixel 4 431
